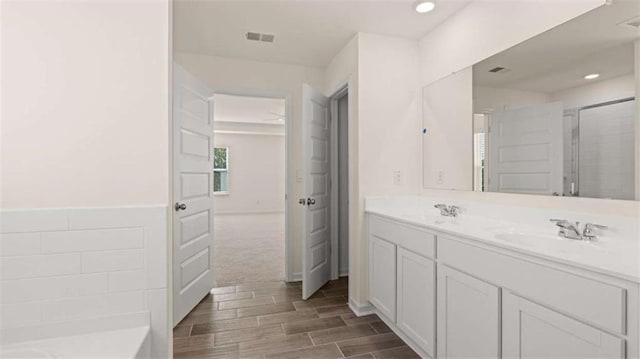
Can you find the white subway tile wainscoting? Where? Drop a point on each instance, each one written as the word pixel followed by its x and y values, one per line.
pixel 65 271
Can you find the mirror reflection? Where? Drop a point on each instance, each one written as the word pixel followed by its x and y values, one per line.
pixel 556 114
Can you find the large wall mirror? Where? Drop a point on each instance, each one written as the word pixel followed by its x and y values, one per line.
pixel 556 114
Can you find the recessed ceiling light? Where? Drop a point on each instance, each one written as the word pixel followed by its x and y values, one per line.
pixel 591 76
pixel 424 6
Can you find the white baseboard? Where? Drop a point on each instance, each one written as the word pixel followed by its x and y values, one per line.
pixel 296 277
pixel 361 309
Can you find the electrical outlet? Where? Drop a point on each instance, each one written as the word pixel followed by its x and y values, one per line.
pixel 397 178
pixel 440 177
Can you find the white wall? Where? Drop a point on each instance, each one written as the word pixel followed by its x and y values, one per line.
pixel 85 100
pixel 384 114
pixel 598 92
pixel 227 74
pixel 256 172
pixel 489 99
pixel 84 103
pixel 445 162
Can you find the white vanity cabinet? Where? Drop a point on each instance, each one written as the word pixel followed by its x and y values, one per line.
pixel 402 280
pixel 486 301
pixel 468 316
pixel 382 279
pixel 416 298
pixel 533 331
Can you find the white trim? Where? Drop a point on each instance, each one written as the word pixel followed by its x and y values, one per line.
pixel 361 309
pixel 296 277
pixel 290 202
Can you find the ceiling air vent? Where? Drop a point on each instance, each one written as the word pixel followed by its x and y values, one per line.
pixel 499 70
pixel 633 22
pixel 256 36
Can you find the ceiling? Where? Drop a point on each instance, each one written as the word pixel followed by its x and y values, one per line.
pixel 307 32
pixel 560 58
pixel 243 109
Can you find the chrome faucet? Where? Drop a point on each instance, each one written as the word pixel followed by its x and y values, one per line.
pixel 448 211
pixel 572 230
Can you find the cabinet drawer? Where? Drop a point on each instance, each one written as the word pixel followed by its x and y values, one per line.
pixel 595 302
pixel 409 237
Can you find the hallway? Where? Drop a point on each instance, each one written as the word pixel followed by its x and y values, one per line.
pixel 269 320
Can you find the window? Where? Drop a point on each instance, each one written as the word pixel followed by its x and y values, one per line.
pixel 221 170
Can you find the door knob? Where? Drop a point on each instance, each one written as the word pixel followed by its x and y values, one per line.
pixel 311 201
pixel 180 206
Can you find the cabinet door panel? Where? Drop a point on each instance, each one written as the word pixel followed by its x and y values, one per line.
pixel 533 331
pixel 382 280
pixel 468 316
pixel 416 298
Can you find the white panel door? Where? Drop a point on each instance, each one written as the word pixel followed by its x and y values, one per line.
pixel 525 150
pixel 192 192
pixel 316 249
pixel 533 331
pixel 468 316
pixel 417 299
pixel 382 276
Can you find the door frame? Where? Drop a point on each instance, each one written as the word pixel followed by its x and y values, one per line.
pixel 289 168
pixel 341 91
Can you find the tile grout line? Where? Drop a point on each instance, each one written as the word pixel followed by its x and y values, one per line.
pixel 340 350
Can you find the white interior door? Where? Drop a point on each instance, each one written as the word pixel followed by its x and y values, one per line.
pixel 526 150
pixel 316 249
pixel 192 192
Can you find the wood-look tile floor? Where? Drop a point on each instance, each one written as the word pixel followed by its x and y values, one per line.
pixel 269 320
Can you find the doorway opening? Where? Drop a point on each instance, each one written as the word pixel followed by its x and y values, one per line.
pixel 249 174
pixel 340 177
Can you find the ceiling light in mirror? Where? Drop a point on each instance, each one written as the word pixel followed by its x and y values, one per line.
pixel 424 6
pixel 591 76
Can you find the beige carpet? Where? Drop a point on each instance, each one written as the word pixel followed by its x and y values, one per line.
pixel 248 248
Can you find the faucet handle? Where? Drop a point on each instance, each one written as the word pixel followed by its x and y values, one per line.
pixel 454 211
pixel 560 222
pixel 444 209
pixel 589 230
pixel 593 225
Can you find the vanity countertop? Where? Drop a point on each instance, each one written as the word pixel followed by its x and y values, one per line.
pixel 616 252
